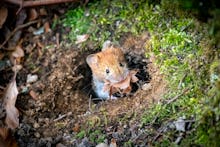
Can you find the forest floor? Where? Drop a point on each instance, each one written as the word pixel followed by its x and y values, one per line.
pixel 173 54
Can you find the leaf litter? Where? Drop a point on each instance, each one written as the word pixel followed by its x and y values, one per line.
pixel 60 96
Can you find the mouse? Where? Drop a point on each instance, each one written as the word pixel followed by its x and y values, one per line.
pixel 107 65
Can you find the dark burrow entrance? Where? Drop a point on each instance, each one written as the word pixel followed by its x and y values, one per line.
pixel 134 62
pixel 64 89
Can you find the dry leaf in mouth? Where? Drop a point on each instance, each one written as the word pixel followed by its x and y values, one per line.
pixel 123 86
pixel 9 99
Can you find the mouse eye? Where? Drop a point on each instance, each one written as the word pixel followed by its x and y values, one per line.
pixel 120 64
pixel 107 71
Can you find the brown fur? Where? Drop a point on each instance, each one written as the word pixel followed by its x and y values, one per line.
pixel 110 58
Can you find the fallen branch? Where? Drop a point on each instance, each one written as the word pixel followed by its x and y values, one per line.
pixel 30 3
pixel 15 30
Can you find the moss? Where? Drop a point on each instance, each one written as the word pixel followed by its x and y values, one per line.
pixel 185 53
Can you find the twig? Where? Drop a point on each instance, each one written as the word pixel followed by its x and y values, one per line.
pixel 15 30
pixel 38 2
pixel 62 116
pixel 58 40
pixel 181 81
pixel 177 96
pixel 90 98
pixel 20 7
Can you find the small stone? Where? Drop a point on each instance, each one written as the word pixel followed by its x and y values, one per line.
pixel 146 86
pixel 68 87
pixel 36 125
pixel 31 78
pixel 180 124
pixel 36 134
pixel 102 145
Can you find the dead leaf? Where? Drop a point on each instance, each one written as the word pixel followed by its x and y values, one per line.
pixel 33 94
pixel 124 86
pixel 43 12
pixel 113 143
pixel 47 27
pixel 40 44
pixel 9 100
pixel 6 139
pixel 16 68
pixel 81 38
pixel 1 55
pixel 76 128
pixel 33 14
pixel 133 77
pixel 3 15
pixel 4 133
pixel 18 52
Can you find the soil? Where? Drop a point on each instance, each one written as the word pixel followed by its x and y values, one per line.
pixel 61 102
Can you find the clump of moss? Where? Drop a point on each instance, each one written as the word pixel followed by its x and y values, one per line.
pixel 185 53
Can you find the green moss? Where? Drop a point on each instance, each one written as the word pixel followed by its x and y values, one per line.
pixel 81 134
pixel 96 136
pixel 184 52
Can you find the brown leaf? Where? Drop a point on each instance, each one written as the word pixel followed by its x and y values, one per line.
pixel 16 55
pixel 33 94
pixel 76 128
pixel 9 99
pixel 4 133
pixel 1 55
pixel 133 77
pixel 43 12
pixel 33 14
pixel 18 52
pixel 40 45
pixel 6 139
pixel 47 27
pixel 3 15
pixel 122 86
pixel 113 143
pixel 127 90
pixel 16 68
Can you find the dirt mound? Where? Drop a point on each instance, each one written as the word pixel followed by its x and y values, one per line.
pixel 63 94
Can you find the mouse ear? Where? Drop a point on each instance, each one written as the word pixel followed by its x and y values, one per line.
pixel 106 44
pixel 92 59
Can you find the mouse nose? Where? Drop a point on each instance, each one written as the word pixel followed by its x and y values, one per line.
pixel 121 78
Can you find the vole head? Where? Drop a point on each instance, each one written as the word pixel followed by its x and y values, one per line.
pixel 109 64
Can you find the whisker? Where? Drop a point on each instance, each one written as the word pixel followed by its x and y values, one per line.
pixel 136 69
pixel 100 99
pixel 86 86
pixel 89 92
pixel 141 76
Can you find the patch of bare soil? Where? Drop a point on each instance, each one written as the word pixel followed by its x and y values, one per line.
pixel 62 96
pixel 56 99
